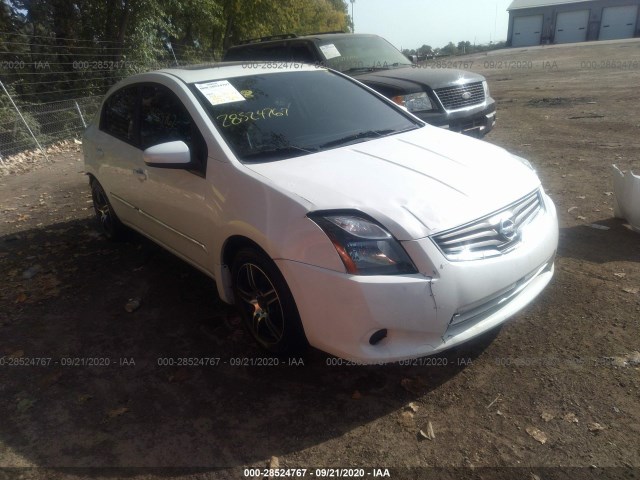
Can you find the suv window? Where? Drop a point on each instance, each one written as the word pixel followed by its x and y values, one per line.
pixel 118 114
pixel 301 52
pixel 270 51
pixel 354 52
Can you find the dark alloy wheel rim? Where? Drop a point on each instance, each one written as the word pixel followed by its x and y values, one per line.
pixel 260 301
pixel 103 211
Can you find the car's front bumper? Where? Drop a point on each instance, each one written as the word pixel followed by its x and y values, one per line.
pixel 446 304
pixel 475 121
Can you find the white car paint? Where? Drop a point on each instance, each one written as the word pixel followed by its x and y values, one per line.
pixel 429 180
pixel 416 184
pixel 626 204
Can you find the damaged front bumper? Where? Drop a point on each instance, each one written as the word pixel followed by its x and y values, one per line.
pixel 448 303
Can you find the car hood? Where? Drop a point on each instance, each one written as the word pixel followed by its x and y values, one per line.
pixel 416 183
pixel 419 76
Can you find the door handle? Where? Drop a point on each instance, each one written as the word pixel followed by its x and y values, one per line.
pixel 99 152
pixel 141 173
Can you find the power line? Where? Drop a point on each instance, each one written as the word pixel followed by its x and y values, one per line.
pixel 59 46
pixel 64 81
pixel 60 38
pixel 82 71
pixel 60 53
pixel 53 91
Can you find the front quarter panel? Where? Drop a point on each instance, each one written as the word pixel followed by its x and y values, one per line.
pixel 250 206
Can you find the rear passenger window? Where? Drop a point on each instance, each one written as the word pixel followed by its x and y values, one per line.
pixel 118 118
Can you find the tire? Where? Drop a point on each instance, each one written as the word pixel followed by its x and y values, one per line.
pixel 110 224
pixel 266 304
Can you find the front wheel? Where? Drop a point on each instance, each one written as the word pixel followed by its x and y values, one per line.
pixel 266 304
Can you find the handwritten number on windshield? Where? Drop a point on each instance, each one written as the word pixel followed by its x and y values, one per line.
pixel 234 119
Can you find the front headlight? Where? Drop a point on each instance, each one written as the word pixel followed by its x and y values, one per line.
pixel 485 85
pixel 364 246
pixel 415 102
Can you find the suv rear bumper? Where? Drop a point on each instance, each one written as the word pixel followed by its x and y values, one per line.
pixel 475 121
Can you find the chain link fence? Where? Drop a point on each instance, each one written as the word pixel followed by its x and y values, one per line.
pixel 51 88
pixel 39 125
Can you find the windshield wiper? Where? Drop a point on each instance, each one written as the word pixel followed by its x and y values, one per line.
pixel 356 138
pixel 358 69
pixel 367 69
pixel 375 68
pixel 277 153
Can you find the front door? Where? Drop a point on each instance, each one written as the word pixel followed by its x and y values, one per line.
pixel 172 200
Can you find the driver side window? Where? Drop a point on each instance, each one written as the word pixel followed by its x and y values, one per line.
pixel 163 118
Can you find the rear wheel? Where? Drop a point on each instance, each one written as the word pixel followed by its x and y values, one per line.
pixel 109 222
pixel 266 304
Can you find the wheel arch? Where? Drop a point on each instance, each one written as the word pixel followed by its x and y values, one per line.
pixel 296 341
pixel 230 248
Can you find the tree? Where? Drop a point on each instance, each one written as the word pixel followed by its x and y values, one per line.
pixel 425 50
pixel 464 47
pixel 137 35
pixel 257 18
pixel 449 49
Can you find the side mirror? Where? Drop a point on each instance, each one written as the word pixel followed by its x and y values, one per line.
pixel 168 155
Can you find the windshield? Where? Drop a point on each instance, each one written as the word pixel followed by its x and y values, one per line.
pixel 289 114
pixel 352 53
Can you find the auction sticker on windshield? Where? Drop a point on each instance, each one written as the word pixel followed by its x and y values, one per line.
pixel 220 92
pixel 329 51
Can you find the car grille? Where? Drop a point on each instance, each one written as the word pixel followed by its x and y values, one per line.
pixel 492 235
pixel 452 98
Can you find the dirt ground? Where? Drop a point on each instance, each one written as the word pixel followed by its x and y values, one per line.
pixel 557 386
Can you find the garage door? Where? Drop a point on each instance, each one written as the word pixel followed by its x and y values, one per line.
pixel 618 22
pixel 527 31
pixel 571 26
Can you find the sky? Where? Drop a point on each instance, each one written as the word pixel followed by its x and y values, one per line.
pixel 409 24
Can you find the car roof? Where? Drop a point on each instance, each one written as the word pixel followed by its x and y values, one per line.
pixel 291 38
pixel 322 36
pixel 222 70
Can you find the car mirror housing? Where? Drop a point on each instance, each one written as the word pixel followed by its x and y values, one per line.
pixel 168 155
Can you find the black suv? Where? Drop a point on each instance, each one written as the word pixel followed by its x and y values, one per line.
pixel 454 99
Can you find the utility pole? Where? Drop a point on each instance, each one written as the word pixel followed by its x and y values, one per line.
pixel 495 22
pixel 353 22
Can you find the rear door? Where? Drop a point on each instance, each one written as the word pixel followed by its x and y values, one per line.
pixel 116 151
pixel 572 26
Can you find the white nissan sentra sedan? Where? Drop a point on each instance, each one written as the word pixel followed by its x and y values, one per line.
pixel 327 213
